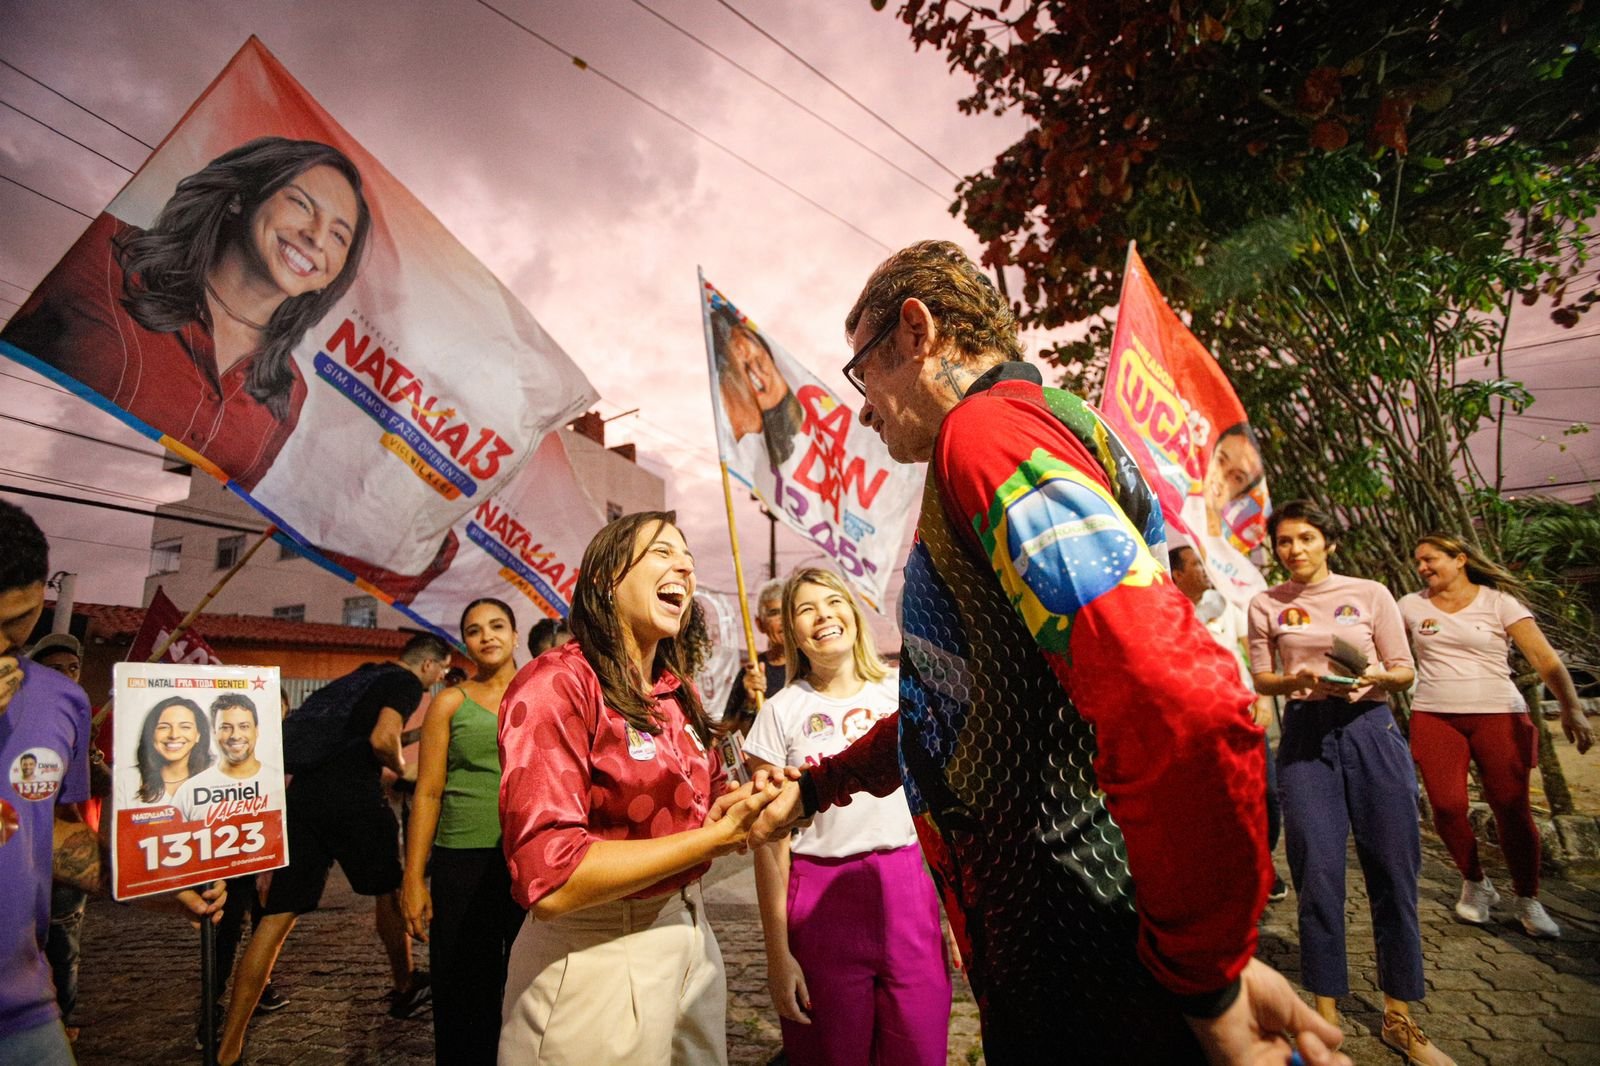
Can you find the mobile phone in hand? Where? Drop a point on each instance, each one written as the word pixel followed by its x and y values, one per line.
pixel 1339 679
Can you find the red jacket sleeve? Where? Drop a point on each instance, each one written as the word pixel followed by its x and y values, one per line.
pixel 871 764
pixel 1177 756
pixel 546 728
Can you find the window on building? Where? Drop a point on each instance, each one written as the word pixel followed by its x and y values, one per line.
pixel 613 511
pixel 295 612
pixel 361 611
pixel 228 551
pixel 165 557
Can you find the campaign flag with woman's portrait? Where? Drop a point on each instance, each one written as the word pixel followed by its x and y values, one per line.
pixel 523 545
pixel 1173 406
pixel 791 440
pixel 272 305
pixel 199 789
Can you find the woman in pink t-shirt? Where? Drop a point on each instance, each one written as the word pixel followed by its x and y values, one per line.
pixel 1343 766
pixel 1467 708
pixel 611 808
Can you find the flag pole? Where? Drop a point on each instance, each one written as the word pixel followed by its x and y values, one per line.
pixel 727 484
pixel 738 574
pixel 188 619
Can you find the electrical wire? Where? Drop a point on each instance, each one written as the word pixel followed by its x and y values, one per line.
pixel 944 197
pixel 37 384
pixel 582 64
pixel 83 436
pixel 14 285
pixel 104 506
pixel 741 16
pixel 47 196
pixel 77 105
pixel 68 136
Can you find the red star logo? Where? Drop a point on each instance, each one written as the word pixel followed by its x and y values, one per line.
pixel 258 682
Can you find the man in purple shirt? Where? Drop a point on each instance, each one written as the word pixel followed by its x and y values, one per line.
pixel 44 757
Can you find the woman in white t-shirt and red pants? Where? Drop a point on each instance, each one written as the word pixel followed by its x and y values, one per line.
pixel 855 959
pixel 1467 707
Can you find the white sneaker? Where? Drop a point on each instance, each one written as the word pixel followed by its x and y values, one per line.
pixel 1535 919
pixel 1476 899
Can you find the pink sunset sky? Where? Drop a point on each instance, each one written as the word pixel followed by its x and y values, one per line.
pixel 590 206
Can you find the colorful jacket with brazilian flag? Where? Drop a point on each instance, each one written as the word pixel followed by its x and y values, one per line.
pixel 1088 785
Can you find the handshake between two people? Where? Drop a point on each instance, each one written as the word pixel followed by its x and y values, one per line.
pixel 758 811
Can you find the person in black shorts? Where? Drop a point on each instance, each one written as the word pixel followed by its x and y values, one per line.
pixel 337 812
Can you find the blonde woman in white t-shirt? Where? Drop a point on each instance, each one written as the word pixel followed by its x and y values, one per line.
pixel 855 960
pixel 1468 708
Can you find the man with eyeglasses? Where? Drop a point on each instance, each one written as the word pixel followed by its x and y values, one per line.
pixel 1078 751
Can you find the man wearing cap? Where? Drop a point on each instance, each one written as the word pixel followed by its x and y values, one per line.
pixel 61 652
pixel 1076 749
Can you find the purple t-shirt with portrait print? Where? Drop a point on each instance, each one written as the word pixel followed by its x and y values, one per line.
pixel 44 755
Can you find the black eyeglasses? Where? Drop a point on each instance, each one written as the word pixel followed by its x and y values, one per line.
pixel 852 369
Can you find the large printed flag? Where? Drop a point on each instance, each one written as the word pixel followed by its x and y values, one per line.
pixel 787 437
pixel 267 301
pixel 522 545
pixel 1170 401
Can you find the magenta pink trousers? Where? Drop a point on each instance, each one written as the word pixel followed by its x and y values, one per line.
pixel 865 930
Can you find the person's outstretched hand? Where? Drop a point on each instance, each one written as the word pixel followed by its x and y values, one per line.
pixel 1259 1025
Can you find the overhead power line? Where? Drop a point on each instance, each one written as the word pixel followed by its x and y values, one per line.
pixel 77 105
pixel 104 506
pixel 83 436
pixel 14 285
pixel 741 16
pixel 67 136
pixel 944 196
pixel 37 384
pixel 47 196
pixel 583 64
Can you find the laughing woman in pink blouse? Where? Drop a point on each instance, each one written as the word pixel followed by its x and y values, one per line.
pixel 612 807
pixel 1467 708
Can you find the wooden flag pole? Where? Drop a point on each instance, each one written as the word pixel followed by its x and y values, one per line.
pixel 188 619
pixel 738 575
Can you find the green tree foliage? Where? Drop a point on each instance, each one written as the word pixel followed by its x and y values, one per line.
pixel 1346 199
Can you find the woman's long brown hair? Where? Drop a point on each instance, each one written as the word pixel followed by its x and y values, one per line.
pixel 599 633
pixel 1480 569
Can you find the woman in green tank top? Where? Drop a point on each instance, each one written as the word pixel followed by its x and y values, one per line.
pixel 469 918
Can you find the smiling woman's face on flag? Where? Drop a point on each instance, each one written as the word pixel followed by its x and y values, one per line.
pixel 266 301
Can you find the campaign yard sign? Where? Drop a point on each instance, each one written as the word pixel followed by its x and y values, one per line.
pixel 198 792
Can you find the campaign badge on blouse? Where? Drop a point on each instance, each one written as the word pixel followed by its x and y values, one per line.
pixel 694 738
pixel 1428 627
pixel 10 824
pixel 1293 618
pixel 36 774
pixel 1346 614
pixel 641 746
pixel 817 725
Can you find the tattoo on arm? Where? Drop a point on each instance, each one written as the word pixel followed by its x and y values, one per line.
pixel 78 860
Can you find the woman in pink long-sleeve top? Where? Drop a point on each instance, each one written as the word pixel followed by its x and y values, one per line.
pixel 612 806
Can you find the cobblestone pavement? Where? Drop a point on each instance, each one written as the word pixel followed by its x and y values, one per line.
pixel 1494 995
